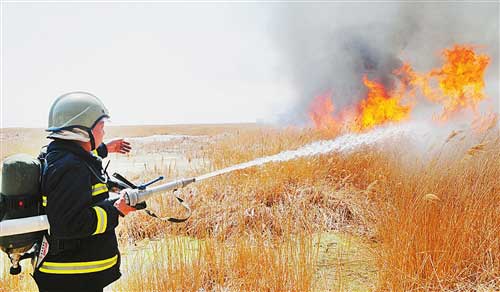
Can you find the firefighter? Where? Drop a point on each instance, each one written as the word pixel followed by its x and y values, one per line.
pixel 83 252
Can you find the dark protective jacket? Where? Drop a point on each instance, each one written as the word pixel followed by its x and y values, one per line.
pixel 83 250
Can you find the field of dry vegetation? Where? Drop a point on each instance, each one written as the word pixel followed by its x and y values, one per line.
pixel 388 217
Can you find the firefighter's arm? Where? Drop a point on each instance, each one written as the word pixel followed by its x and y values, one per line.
pixel 118 146
pixel 69 206
pixel 114 146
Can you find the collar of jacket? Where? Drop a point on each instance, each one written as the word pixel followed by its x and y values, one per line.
pixel 66 145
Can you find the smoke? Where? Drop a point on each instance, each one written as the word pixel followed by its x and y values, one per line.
pixel 330 46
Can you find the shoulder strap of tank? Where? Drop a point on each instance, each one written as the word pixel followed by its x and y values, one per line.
pixel 102 178
pixel 43 166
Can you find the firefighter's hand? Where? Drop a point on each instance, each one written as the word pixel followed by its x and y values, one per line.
pixel 118 146
pixel 121 205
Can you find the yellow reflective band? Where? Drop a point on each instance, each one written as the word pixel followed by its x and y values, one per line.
pixel 44 201
pixel 94 152
pixel 98 189
pixel 78 267
pixel 102 220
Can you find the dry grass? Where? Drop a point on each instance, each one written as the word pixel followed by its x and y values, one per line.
pixel 427 221
pixel 247 264
pixel 439 224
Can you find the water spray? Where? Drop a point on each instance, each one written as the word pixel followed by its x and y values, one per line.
pixel 342 144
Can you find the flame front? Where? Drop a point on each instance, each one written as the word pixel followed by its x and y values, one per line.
pixel 461 80
pixel 457 85
pixel 321 111
pixel 379 107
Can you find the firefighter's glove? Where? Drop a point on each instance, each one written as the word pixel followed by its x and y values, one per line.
pixel 121 205
pixel 118 146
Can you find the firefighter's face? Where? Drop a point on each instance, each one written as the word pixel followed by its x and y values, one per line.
pixel 98 132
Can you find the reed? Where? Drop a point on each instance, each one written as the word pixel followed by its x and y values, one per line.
pixel 421 220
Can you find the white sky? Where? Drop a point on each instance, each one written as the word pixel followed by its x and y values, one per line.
pixel 154 63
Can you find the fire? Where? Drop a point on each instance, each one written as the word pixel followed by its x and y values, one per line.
pixel 461 80
pixel 321 112
pixel 379 107
pixel 457 85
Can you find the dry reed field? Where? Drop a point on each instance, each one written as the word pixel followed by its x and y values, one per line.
pixel 384 217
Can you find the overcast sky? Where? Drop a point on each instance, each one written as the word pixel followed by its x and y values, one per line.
pixel 156 63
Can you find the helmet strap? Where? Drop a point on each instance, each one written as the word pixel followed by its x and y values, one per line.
pixel 92 140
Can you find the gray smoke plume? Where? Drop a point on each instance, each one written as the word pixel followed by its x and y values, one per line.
pixel 330 46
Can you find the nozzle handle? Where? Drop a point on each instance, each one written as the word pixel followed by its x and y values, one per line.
pixel 144 185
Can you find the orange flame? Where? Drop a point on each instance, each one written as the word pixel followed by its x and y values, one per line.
pixel 461 80
pixel 458 85
pixel 379 107
pixel 321 112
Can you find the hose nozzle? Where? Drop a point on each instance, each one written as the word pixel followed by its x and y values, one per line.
pixel 188 181
pixel 135 196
